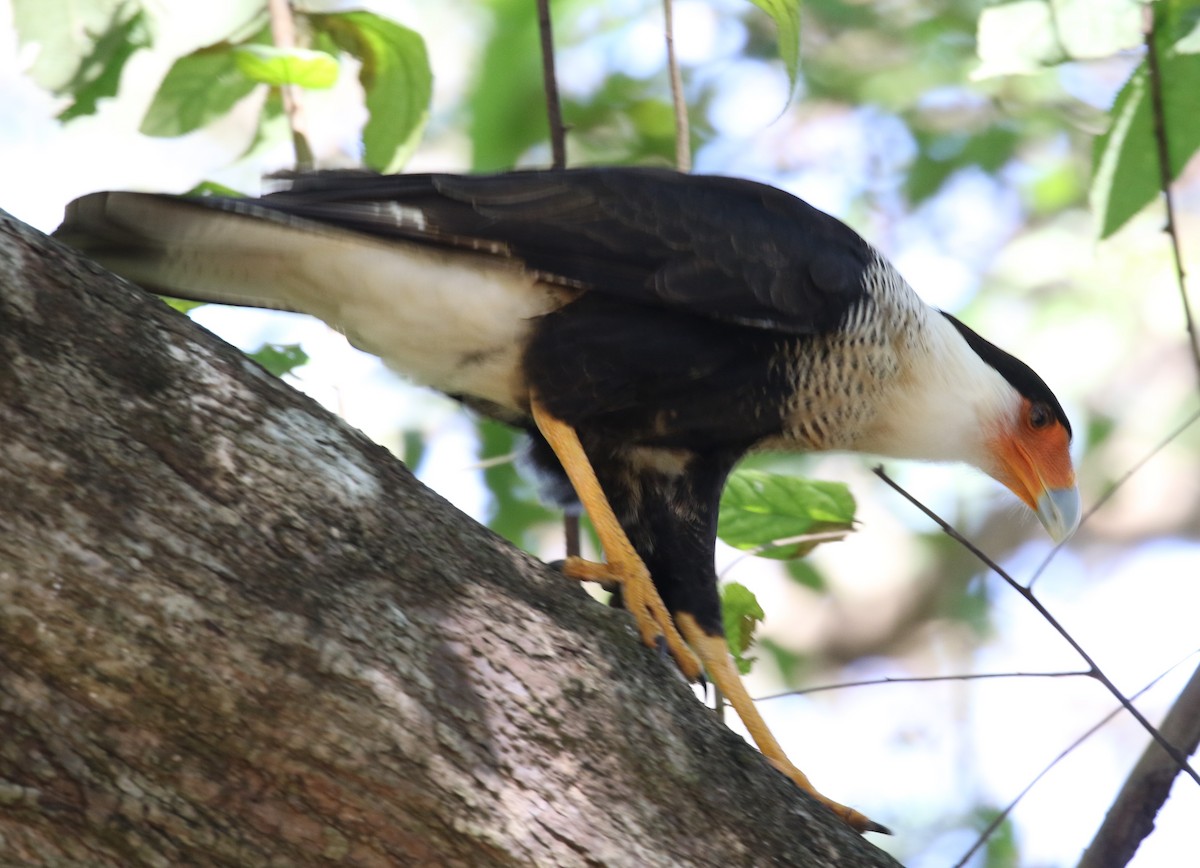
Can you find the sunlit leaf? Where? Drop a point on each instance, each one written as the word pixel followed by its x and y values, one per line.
pixel 99 73
pixel 302 67
pixel 182 305
pixel 396 77
pixel 213 188
pixel 199 88
pixel 280 359
pixel 1127 176
pixel 741 614
pixel 774 515
pixel 786 15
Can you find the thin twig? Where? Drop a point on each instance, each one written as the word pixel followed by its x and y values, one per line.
pixel 558 159
pixel 683 135
pixel 1112 489
pixel 283 34
pixel 1008 809
pixel 1097 673
pixel 925 679
pixel 1150 13
pixel 558 133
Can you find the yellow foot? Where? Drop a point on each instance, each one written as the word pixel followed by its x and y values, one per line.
pixel 721 671
pixel 642 600
pixel 854 819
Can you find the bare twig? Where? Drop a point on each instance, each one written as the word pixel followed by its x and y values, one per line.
pixel 1131 817
pixel 1095 670
pixel 1112 489
pixel 558 159
pixel 683 135
pixel 558 133
pixel 1002 815
pixel 283 33
pixel 925 679
pixel 1151 13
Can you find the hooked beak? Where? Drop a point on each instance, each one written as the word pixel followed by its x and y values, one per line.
pixel 1059 511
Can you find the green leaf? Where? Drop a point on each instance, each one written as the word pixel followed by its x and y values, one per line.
pixel 1126 176
pixel 199 88
pixel 99 73
pixel 508 102
pixel 302 67
pixel 213 188
pixel 786 15
pixel 65 33
pixel 397 80
pixel 771 514
pixel 803 573
pixel 280 359
pixel 741 614
pixel 413 447
pixel 182 305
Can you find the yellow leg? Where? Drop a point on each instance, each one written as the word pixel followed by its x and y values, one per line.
pixel 624 566
pixel 721 671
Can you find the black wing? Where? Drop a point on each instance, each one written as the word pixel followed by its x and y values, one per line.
pixel 722 248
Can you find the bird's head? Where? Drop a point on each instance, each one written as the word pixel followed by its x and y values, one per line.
pixel 1027 443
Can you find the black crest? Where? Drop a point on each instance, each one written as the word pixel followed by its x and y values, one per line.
pixel 1020 375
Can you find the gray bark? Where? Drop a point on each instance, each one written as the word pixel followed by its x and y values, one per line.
pixel 233 631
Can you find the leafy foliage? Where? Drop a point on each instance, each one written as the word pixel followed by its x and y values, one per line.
pixel 68 34
pixel 777 516
pixel 198 89
pixel 279 66
pixel 741 614
pixel 394 71
pixel 280 359
pixel 396 77
pixel 786 15
pixel 99 73
pixel 1127 175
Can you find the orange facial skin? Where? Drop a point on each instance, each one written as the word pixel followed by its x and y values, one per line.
pixel 1033 459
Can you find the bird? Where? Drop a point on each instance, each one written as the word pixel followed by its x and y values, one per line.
pixel 647 328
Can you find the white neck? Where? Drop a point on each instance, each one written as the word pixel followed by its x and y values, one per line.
pixel 948 407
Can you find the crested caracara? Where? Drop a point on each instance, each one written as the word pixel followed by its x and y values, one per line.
pixel 647 328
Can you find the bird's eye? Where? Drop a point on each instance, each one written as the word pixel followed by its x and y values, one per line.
pixel 1039 416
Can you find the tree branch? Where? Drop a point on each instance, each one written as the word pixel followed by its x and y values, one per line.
pixel 683 135
pixel 283 34
pixel 1131 817
pixel 234 631
pixel 558 133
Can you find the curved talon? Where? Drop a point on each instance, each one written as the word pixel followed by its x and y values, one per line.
pixel 654 622
pixel 856 820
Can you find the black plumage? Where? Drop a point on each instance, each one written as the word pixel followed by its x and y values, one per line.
pixel 647 328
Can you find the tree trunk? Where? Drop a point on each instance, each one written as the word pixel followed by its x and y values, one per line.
pixel 233 631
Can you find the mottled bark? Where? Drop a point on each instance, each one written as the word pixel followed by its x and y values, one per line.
pixel 233 631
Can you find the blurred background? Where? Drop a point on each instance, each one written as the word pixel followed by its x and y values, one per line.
pixel 957 138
